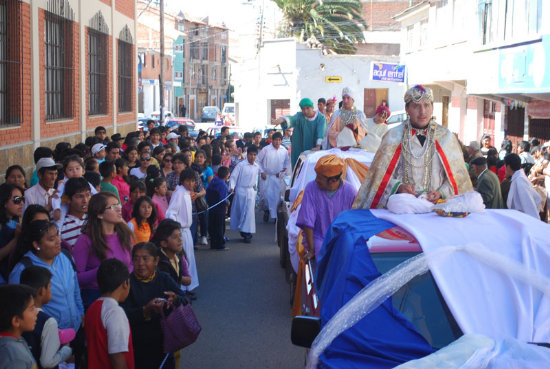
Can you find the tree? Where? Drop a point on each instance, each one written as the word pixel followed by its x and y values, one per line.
pixel 337 24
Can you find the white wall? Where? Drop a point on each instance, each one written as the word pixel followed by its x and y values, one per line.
pixel 284 69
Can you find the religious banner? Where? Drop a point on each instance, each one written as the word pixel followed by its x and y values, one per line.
pixel 387 72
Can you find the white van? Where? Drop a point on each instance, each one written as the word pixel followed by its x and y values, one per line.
pixel 229 112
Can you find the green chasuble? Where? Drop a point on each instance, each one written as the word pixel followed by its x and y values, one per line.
pixel 308 133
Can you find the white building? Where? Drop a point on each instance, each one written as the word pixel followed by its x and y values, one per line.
pixel 285 71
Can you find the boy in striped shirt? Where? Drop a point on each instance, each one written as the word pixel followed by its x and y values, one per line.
pixel 77 192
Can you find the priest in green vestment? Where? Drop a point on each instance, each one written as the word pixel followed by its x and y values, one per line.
pixel 309 129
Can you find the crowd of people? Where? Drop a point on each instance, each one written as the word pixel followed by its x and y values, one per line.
pixel 117 221
pixel 105 232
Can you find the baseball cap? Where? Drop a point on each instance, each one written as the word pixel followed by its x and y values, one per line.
pixel 97 148
pixel 46 163
pixel 172 135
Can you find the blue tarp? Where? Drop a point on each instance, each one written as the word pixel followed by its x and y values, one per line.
pixel 384 338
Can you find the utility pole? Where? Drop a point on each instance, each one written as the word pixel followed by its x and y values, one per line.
pixel 161 76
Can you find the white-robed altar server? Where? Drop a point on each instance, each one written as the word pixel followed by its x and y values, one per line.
pixel 179 210
pixel 243 181
pixel 274 162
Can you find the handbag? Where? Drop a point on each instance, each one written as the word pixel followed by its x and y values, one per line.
pixel 200 204
pixel 180 327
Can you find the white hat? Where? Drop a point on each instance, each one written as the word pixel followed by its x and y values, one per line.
pixel 46 163
pixel 172 135
pixel 546 144
pixel 97 148
pixel 348 91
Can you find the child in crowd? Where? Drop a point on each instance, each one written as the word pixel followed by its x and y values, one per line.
pixel 137 190
pixel 144 217
pixel 172 258
pixel 98 152
pixel 44 339
pixel 73 167
pixel 158 194
pixel 91 165
pixel 120 180
pixel 216 163
pixel 107 170
pixel 244 180
pixel 180 211
pixel 78 194
pixel 18 315
pixel 131 154
pixel 107 327
pixel 94 179
pixel 154 137
pixel 216 192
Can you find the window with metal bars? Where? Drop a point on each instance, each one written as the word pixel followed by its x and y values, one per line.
pixel 10 63
pixel 124 76
pixel 97 72
pixel 59 70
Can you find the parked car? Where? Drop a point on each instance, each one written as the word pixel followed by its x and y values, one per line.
pixel 397 118
pixel 167 115
pixel 177 121
pixel 210 113
pixel 228 113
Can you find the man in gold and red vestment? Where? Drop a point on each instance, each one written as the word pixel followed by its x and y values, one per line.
pixel 418 156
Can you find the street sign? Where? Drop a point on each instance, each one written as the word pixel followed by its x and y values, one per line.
pixel 333 79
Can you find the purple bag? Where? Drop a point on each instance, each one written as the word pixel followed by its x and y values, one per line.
pixel 180 327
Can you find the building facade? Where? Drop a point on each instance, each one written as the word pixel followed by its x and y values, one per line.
pixel 286 71
pixel 485 61
pixel 201 66
pixel 66 67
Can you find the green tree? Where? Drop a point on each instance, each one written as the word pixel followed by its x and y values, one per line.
pixel 337 24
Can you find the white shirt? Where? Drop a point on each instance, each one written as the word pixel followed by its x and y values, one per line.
pixel 272 160
pixel 52 353
pixel 526 158
pixel 522 196
pixel 116 323
pixel 37 195
pixel 244 175
pixel 138 173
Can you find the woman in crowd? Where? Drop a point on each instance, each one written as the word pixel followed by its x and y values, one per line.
pixel 11 208
pixel 485 145
pixel 105 235
pixel 141 171
pixel 16 175
pixel 131 154
pixel 150 290
pixel 166 165
pixel 44 249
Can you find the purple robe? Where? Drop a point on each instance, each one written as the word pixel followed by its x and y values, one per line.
pixel 318 210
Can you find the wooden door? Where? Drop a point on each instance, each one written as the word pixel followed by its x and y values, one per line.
pixel 373 98
pixel 515 120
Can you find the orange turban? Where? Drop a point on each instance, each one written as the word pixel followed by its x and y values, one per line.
pixel 330 166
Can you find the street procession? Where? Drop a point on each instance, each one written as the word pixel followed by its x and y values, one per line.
pixel 274 184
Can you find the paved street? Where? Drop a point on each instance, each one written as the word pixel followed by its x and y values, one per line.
pixel 243 307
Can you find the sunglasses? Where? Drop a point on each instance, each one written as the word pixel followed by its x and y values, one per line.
pixel 18 199
pixel 145 159
pixel 102 132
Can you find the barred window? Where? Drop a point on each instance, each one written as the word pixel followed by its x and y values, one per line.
pixel 10 63
pixel 97 72
pixel 124 76
pixel 204 54
pixel 59 67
